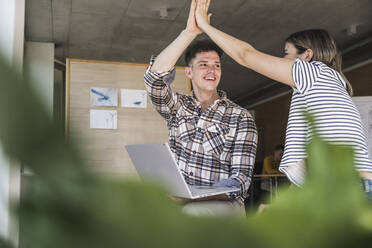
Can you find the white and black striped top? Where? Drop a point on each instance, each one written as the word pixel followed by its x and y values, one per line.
pixel 321 91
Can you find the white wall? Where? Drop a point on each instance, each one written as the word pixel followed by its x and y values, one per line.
pixel 4 194
pixel 7 26
pixel 12 18
pixel 39 66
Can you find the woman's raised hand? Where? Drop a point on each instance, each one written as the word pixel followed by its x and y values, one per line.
pixel 202 16
pixel 191 25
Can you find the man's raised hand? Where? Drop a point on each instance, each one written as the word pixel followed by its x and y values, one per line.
pixel 191 26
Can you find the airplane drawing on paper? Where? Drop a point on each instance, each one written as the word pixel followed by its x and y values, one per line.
pixel 133 98
pixel 103 96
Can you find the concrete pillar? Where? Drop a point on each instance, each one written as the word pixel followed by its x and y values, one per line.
pixel 12 18
pixel 39 66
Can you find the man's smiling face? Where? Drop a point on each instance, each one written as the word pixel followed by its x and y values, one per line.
pixel 205 71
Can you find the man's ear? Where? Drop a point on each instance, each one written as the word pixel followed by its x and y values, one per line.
pixel 188 72
pixel 309 55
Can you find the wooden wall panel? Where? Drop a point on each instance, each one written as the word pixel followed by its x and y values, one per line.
pixel 361 80
pixel 104 149
pixel 271 121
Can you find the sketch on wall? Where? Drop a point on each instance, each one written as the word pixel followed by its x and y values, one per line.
pixel 103 96
pixel 364 105
pixel 103 119
pixel 133 98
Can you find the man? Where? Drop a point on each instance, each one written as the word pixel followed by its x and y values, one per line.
pixel 213 139
pixel 271 166
pixel 271 163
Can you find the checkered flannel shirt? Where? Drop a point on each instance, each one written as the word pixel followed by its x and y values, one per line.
pixel 209 146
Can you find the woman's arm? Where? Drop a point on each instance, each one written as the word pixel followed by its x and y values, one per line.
pixel 279 69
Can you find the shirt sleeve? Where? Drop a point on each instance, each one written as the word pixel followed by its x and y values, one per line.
pixel 244 152
pixel 304 75
pixel 158 88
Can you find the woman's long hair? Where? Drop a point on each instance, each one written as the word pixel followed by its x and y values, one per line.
pixel 324 49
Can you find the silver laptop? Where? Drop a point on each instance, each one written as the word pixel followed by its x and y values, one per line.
pixel 156 163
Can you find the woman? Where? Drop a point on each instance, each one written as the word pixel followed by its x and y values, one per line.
pixel 312 67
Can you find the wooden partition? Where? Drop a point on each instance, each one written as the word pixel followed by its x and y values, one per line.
pixel 104 149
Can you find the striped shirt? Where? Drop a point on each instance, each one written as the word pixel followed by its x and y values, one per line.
pixel 209 146
pixel 322 92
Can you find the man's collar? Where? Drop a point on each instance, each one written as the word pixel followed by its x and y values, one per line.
pixel 222 97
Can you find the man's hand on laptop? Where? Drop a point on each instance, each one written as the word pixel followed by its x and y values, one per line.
pixel 229 182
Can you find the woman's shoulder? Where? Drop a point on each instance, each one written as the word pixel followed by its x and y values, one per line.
pixel 313 63
pixel 321 68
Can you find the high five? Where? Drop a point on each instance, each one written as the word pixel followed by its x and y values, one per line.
pixel 275 68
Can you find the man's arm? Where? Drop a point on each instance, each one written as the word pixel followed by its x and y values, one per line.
pixel 244 152
pixel 161 71
pixel 169 56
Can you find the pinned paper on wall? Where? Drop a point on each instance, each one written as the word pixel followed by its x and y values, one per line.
pixel 103 96
pixel 103 119
pixel 133 98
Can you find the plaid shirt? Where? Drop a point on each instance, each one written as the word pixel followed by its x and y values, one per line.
pixel 209 146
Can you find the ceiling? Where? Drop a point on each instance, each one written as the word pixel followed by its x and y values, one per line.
pixel 133 30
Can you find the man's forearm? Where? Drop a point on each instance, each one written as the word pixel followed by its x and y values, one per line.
pixel 166 60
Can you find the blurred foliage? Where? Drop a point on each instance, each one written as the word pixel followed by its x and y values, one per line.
pixel 4 244
pixel 67 206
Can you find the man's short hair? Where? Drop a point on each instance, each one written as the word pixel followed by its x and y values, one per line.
pixel 199 46
pixel 279 147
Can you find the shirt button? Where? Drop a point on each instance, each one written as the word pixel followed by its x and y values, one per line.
pixel 193 152
pixel 191 174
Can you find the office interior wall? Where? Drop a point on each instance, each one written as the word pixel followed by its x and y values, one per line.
pixel 271 120
pixel 39 67
pixel 104 149
pixel 361 80
pixel 59 97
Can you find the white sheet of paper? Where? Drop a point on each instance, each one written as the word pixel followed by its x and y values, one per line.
pixel 133 98
pixel 103 119
pixel 103 96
